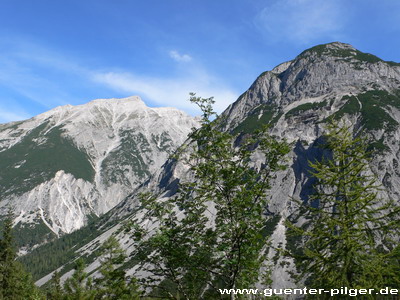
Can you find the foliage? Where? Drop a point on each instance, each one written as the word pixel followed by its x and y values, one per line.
pixel 15 283
pixel 29 235
pixel 55 290
pixel 260 116
pixel 305 107
pixel 50 256
pixel 349 230
pixel 79 286
pixel 321 50
pixel 113 283
pixel 372 106
pixel 36 159
pixel 131 151
pixel 210 234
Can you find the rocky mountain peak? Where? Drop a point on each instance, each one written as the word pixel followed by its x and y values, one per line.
pixel 333 70
pixel 330 49
pixel 72 162
pixel 94 107
pixel 129 99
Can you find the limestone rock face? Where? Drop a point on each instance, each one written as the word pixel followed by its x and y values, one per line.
pixel 73 162
pixel 334 68
pixel 297 97
pixel 327 81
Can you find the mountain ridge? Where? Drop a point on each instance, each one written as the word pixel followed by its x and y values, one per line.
pixel 296 99
pixel 311 75
pixel 72 162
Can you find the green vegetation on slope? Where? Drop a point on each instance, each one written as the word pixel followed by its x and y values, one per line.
pixel 15 283
pixel 131 152
pixel 37 158
pixel 373 114
pixel 260 116
pixel 378 146
pixel 48 257
pixel 163 142
pixel 305 107
pixel 29 235
pixel 347 53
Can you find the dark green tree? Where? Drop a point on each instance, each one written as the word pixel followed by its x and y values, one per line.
pixel 394 261
pixel 79 286
pixel 113 283
pixel 210 235
pixel 350 230
pixel 15 283
pixel 55 290
pixel 9 276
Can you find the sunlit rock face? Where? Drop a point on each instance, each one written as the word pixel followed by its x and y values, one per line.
pixel 75 162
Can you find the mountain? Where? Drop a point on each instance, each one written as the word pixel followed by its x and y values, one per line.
pixel 73 163
pixel 296 98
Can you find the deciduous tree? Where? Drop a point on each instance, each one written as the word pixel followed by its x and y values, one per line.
pixel 210 235
pixel 113 282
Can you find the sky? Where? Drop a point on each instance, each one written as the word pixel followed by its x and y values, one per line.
pixel 58 52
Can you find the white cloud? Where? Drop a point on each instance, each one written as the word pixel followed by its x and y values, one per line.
pixel 175 55
pixel 170 91
pixel 32 71
pixel 9 116
pixel 302 21
pixel 31 86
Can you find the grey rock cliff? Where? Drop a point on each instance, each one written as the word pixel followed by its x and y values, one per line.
pixel 74 162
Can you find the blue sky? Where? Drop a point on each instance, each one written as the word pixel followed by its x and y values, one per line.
pixel 57 52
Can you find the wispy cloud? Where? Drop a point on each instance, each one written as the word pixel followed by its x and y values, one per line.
pixel 175 55
pixel 302 21
pixel 170 91
pixel 50 79
pixel 33 72
pixel 30 85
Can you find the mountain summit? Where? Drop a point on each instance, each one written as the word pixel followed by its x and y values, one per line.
pixel 334 69
pixel 75 162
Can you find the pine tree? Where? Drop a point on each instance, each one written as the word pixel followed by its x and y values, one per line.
pixel 9 281
pixel 350 229
pixel 113 283
pixel 79 286
pixel 15 283
pixel 55 290
pixel 28 289
pixel 210 235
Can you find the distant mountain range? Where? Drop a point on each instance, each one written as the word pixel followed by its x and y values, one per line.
pixel 296 98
